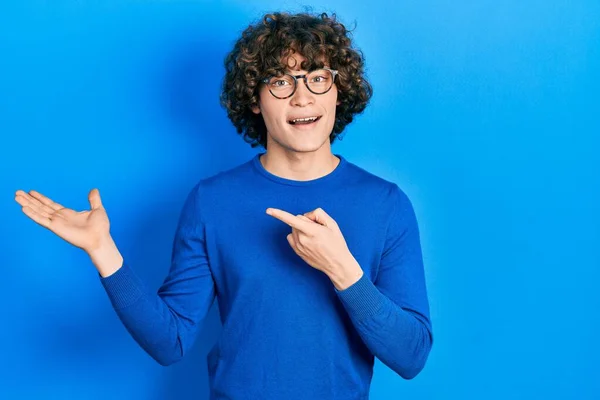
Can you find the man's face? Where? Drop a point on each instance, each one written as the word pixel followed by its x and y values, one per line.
pixel 278 114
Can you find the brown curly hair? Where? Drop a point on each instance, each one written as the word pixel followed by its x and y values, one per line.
pixel 262 51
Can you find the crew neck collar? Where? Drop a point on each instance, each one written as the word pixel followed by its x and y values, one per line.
pixel 278 179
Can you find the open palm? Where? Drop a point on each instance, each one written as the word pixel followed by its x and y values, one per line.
pixel 84 229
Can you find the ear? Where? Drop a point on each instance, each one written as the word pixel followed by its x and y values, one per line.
pixel 255 109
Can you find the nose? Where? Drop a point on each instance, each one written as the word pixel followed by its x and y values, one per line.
pixel 302 97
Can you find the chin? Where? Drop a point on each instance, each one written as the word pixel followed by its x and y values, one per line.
pixel 308 141
pixel 309 145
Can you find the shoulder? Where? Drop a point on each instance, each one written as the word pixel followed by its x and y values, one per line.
pixel 206 193
pixel 224 180
pixel 388 192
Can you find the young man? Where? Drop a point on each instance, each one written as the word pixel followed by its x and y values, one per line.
pixel 315 262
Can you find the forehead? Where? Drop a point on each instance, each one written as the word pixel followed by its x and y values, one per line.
pixel 297 62
pixel 293 62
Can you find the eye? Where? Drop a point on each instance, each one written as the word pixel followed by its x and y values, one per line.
pixel 279 82
pixel 319 79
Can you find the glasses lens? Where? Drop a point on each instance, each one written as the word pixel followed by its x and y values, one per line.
pixel 320 80
pixel 281 86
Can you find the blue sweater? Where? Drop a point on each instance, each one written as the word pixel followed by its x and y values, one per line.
pixel 288 333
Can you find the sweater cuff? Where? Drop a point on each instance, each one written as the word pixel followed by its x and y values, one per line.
pixel 362 299
pixel 123 287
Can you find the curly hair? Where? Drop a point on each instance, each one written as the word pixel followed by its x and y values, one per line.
pixel 262 51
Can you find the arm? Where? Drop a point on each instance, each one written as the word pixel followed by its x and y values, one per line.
pixel 391 314
pixel 165 324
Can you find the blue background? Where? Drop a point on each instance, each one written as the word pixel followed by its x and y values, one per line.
pixel 486 113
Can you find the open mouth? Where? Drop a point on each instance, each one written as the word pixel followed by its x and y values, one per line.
pixel 304 121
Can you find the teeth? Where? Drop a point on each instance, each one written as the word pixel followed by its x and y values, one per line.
pixel 304 119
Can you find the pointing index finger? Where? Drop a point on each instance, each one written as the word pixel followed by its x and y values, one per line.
pixel 290 219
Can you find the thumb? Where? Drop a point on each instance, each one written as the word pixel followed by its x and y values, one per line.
pixel 319 216
pixel 94 198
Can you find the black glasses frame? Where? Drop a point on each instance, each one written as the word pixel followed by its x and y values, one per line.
pixel 334 73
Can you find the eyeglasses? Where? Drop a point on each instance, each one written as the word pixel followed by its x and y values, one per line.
pixel 318 81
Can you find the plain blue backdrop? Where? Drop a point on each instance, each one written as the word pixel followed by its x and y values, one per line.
pixel 486 113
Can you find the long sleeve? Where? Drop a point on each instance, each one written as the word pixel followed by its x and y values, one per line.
pixel 165 324
pixel 391 314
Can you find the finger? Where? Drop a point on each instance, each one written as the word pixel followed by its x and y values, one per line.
pixel 305 218
pixel 45 200
pixel 291 220
pixel 291 241
pixel 94 199
pixel 298 233
pixel 34 204
pixel 296 236
pixel 37 217
pixel 320 216
pixel 21 199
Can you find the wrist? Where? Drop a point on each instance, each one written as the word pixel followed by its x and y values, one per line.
pixel 346 274
pixel 106 257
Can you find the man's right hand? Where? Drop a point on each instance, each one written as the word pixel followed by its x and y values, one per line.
pixel 88 230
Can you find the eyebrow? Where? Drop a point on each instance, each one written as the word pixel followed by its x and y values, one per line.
pixel 291 72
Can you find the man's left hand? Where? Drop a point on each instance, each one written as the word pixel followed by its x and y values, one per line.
pixel 318 240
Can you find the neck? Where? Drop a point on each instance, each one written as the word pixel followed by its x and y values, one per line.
pixel 299 166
